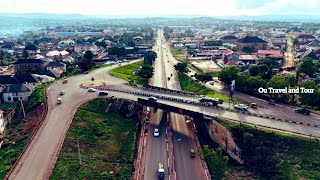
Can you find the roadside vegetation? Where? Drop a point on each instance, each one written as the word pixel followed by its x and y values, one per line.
pixel 276 155
pixel 188 84
pixel 126 72
pixel 106 142
pixel 36 98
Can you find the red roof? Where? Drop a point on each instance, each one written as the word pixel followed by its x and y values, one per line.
pixel 317 52
pixel 231 63
pixel 273 53
pixel 227 52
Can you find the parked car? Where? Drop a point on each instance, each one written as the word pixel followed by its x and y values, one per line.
pixel 151 98
pixel 103 93
pixel 59 101
pixel 156 132
pixel 211 83
pixel 62 92
pixel 86 72
pixel 303 111
pixel 92 90
pixel 192 153
pixel 241 106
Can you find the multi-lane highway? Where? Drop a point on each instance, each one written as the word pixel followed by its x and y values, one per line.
pixel 38 160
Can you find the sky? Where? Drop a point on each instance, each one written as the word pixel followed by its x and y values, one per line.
pixel 163 7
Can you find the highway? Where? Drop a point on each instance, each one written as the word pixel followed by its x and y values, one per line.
pixel 39 158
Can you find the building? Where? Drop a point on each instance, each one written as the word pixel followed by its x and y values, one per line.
pixel 303 38
pixel 278 43
pixel 57 55
pixel 30 65
pixel 270 53
pixel 86 46
pixel 248 59
pixel 251 42
pixel 314 45
pixel 16 92
pixel 229 55
pixel 57 65
pixel 32 50
pixel 229 39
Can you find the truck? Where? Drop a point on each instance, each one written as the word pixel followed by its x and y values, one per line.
pixel 161 171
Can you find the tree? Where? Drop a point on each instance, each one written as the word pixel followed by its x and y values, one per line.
pixel 247 50
pixel 311 99
pixel 271 62
pixel 85 65
pixel 307 66
pixel 181 67
pixel 146 71
pixel 228 74
pixel 204 77
pixel 217 162
pixel 119 51
pixel 25 55
pixel 149 57
pixel 279 82
pixel 88 55
pixel 254 83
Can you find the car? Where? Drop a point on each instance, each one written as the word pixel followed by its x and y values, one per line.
pixel 92 90
pixel 103 93
pixel 168 78
pixel 156 132
pixel 272 102
pixel 192 153
pixel 62 92
pixel 241 106
pixel 59 100
pixel 153 99
pixel 303 111
pixel 86 72
pixel 211 83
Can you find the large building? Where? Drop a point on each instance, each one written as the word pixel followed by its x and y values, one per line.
pixel 30 65
pixel 251 42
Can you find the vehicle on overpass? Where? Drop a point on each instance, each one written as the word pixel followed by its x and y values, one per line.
pixel 210 101
pixel 241 106
pixel 161 173
pixel 152 98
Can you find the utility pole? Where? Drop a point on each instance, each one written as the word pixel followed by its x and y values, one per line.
pixel 24 113
pixel 79 152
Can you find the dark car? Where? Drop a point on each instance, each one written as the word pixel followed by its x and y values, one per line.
pixel 303 111
pixel 103 93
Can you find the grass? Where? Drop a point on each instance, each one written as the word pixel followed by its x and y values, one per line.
pixel 106 141
pixel 194 68
pixel 176 51
pixel 125 72
pixel 7 107
pixel 277 155
pixel 36 98
pixel 188 84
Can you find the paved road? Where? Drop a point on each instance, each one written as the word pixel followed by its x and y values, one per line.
pixel 38 159
pixel 183 140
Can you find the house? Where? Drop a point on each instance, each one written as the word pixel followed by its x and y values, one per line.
pixel 143 49
pixel 314 45
pixel 66 43
pixel 137 39
pixel 278 43
pixel 248 59
pixel 270 53
pixel 16 92
pixel 252 42
pixel 32 50
pixel 229 39
pixel 57 55
pixel 86 46
pixel 30 65
pixel 68 60
pixel 308 54
pixel 57 65
pixel 54 73
pixel 76 55
pixel 229 55
pixel 303 38
pixel 6 47
pixel 2 126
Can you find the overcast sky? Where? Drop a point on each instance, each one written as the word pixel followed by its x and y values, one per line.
pixel 162 7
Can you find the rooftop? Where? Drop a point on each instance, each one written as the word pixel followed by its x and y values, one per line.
pixel 251 39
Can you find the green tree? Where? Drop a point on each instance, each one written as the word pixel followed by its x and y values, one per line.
pixel 307 66
pixel 85 65
pixel 254 83
pixel 88 55
pixel 228 74
pixel 149 57
pixel 217 162
pixel 25 55
pixel 182 67
pixel 247 50
pixel 146 71
pixel 119 51
pixel 203 77
pixel 279 82
pixel 311 99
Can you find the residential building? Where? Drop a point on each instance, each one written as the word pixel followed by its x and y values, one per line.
pixel 16 92
pixel 229 39
pixel 270 53
pixel 32 50
pixel 314 45
pixel 252 42
pixel 303 38
pixel 57 65
pixel 229 55
pixel 248 59
pixel 30 65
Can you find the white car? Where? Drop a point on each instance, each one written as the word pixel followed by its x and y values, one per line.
pixel 92 90
pixel 156 132
pixel 241 106
pixel 153 99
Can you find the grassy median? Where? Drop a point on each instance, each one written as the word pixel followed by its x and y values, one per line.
pixel 106 143
pixel 126 72
pixel 188 84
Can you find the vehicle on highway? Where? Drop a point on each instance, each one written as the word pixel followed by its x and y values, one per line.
pixel 254 105
pixel 211 83
pixel 272 102
pixel 192 153
pixel 241 106
pixel 156 132
pixel 86 72
pixel 161 173
pixel 303 111
pixel 153 99
pixel 103 93
pixel 92 90
pixel 62 92
pixel 59 100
